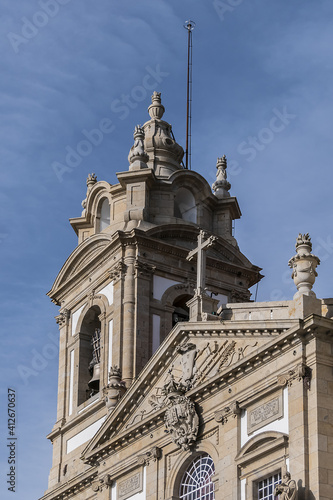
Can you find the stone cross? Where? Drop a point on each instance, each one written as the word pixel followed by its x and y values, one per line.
pixel 203 245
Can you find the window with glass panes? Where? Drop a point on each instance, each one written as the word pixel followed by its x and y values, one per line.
pixel 197 483
pixel 266 487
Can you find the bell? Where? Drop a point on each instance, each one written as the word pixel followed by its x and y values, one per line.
pixel 93 383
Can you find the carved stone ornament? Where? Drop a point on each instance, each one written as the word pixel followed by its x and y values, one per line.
pixel 299 372
pixel 304 265
pixel 286 490
pixel 181 419
pixel 156 109
pixel 221 186
pixel 137 156
pixel 63 317
pixel 229 411
pixel 117 272
pixel 115 388
pixel 100 483
pixel 91 180
pixel 150 456
pixel 143 268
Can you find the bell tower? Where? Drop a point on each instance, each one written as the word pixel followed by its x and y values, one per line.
pixel 133 277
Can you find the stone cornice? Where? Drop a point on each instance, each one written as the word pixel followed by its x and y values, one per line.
pixel 72 487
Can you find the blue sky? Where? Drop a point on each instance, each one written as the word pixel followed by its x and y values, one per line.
pixel 262 95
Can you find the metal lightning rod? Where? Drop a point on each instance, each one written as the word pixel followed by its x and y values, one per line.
pixel 189 26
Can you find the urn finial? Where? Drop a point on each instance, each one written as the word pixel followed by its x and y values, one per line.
pixel 304 265
pixel 221 186
pixel 137 156
pixel 156 109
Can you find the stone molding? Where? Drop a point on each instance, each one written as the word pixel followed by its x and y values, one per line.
pixel 143 268
pixel 151 455
pixel 229 411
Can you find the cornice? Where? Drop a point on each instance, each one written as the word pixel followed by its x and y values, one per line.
pixel 72 487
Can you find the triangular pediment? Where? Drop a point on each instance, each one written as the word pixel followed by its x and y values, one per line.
pixel 198 356
pixel 80 259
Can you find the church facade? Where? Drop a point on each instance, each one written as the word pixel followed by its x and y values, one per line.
pixel 173 384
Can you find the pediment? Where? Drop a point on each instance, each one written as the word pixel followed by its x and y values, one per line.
pixel 190 358
pixel 81 258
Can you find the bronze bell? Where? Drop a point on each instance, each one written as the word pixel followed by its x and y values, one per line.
pixel 93 383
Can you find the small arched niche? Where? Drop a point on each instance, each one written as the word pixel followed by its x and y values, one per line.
pixel 89 355
pixel 185 206
pixel 103 215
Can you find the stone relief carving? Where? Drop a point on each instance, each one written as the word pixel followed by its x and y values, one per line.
pixel 100 483
pixel 189 353
pixel 63 317
pixel 229 411
pixel 286 490
pixel 137 156
pixel 150 456
pixel 299 372
pixel 181 420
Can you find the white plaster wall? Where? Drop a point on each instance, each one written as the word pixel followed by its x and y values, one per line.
pixel 110 344
pixel 71 383
pixel 75 318
pixel 278 425
pixel 243 489
pixel 137 496
pixel 156 331
pixel 83 436
pixel 160 285
pixel 108 292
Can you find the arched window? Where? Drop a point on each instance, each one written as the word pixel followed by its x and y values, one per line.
pixel 196 483
pixel 104 214
pixel 185 207
pixel 89 355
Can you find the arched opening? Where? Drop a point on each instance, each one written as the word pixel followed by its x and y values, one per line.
pixel 185 207
pixel 89 355
pixel 181 310
pixel 104 215
pixel 197 482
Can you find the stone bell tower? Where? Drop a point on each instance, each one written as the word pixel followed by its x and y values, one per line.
pixel 142 265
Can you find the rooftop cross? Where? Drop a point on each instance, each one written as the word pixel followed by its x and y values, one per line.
pixel 203 245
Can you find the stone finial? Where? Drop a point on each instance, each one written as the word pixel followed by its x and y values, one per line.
pixel 91 180
pixel 115 388
pixel 137 156
pixel 156 109
pixel 221 186
pixel 304 265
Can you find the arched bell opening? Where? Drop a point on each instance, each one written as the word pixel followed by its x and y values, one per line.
pixel 89 357
pixel 181 310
